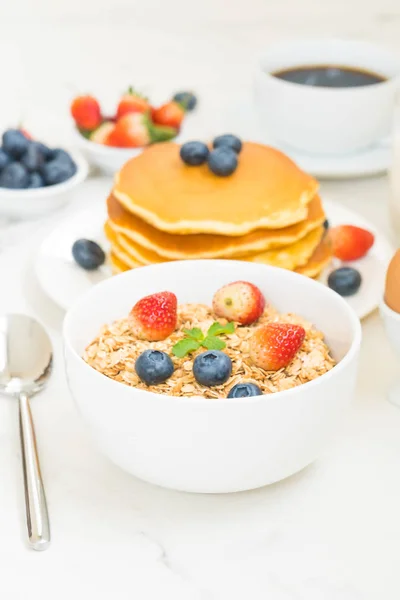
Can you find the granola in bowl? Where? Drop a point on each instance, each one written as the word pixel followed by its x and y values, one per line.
pixel 261 350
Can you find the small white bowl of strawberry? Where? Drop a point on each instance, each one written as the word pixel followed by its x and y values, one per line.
pixel 109 141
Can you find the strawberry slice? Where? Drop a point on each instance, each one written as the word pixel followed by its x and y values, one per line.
pixel 130 131
pixel 86 112
pixel 170 114
pixel 273 346
pixel 154 317
pixel 239 301
pixel 350 242
pixel 132 102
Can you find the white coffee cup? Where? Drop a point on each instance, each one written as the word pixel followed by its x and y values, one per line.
pixel 325 120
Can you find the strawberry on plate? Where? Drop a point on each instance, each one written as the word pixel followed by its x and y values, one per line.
pixel 154 317
pixel 86 112
pixel 239 301
pixel 273 346
pixel 350 242
pixel 132 102
pixel 171 114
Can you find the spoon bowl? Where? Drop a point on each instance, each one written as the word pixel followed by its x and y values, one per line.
pixel 26 359
pixel 25 355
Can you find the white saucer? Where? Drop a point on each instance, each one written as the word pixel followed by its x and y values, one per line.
pixel 64 281
pixel 242 120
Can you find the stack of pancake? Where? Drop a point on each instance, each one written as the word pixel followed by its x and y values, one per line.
pixel 267 211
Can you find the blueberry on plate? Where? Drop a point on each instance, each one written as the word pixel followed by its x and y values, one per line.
pixel 154 367
pixel 228 141
pixel 15 143
pixel 222 161
pixel 33 158
pixel 212 368
pixel 5 159
pixel 36 181
pixel 14 176
pixel 245 390
pixel 88 254
pixel 346 281
pixel 186 99
pixel 326 225
pixel 56 171
pixel 194 153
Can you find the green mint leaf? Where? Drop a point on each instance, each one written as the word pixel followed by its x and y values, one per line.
pixel 213 343
pixel 195 334
pixel 185 346
pixel 217 328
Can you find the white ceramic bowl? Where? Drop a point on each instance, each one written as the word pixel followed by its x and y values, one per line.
pixel 391 321
pixel 109 160
pixel 27 204
pixel 200 445
pixel 326 120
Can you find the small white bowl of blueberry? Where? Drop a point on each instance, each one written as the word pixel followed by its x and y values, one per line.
pixel 35 178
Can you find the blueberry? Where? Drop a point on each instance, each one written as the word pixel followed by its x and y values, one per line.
pixel 14 176
pixel 228 141
pixel 345 281
pixel 245 390
pixel 154 367
pixel 36 181
pixel 5 159
pixel 326 225
pixel 33 158
pixel 88 254
pixel 194 153
pixel 187 99
pixel 15 143
pixel 212 368
pixel 57 171
pixel 222 161
pixel 61 155
pixel 45 150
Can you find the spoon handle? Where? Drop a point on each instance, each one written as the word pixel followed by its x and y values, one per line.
pixel 35 499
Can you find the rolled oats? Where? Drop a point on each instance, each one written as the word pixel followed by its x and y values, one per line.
pixel 114 352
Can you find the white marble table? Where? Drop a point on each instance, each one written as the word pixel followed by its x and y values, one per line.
pixel 331 532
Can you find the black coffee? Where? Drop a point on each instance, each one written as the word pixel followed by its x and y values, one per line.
pixel 330 76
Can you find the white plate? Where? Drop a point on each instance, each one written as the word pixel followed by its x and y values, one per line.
pixel 242 120
pixel 64 281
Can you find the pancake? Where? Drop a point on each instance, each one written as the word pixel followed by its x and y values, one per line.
pixel 288 257
pixel 172 246
pixel 267 191
pixel 320 259
pixel 315 265
pixel 117 265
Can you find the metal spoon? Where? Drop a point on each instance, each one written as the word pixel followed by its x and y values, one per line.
pixel 25 365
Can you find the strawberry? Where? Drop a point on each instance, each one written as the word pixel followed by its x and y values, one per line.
pixel 239 301
pixel 86 112
pixel 350 242
pixel 154 317
pixel 274 345
pixel 132 102
pixel 170 114
pixel 130 131
pixel 26 133
pixel 101 134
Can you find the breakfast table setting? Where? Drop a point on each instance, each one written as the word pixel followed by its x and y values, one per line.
pixel 109 494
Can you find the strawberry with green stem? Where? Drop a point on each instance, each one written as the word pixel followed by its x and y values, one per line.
pixel 132 102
